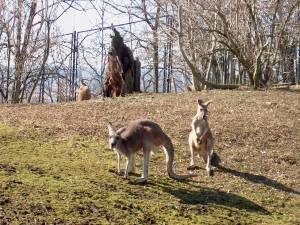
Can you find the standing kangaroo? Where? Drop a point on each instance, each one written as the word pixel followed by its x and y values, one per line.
pixel 142 134
pixel 200 138
pixel 84 92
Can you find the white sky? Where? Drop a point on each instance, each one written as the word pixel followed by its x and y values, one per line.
pixel 84 20
pixel 75 20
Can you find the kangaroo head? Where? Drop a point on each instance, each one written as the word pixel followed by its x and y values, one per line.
pixel 203 108
pixel 83 83
pixel 114 139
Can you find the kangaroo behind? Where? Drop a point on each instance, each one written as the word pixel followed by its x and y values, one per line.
pixel 145 135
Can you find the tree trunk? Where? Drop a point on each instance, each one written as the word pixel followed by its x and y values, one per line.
pixel 137 77
pixel 155 62
pixel 43 67
pixel 211 58
pixel 198 79
pixel 21 52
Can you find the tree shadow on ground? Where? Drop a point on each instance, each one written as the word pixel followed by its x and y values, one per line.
pixel 259 179
pixel 208 196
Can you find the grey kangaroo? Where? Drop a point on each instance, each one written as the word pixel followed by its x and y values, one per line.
pixel 200 138
pixel 142 134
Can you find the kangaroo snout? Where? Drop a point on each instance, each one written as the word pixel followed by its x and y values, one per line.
pixel 113 145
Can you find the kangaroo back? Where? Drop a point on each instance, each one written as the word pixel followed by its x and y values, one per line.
pixel 159 137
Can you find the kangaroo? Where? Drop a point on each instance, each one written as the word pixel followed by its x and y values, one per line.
pixel 84 92
pixel 142 134
pixel 200 138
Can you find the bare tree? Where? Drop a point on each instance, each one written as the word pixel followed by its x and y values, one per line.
pixel 251 30
pixel 27 30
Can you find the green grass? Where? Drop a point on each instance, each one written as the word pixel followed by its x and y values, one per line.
pixel 46 179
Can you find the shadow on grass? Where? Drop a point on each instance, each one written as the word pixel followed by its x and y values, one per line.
pixel 258 179
pixel 206 196
pixel 251 177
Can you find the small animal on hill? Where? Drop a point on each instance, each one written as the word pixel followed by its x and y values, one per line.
pixel 145 135
pixel 84 92
pixel 200 138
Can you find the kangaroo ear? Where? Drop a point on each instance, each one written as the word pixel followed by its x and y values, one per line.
pixel 207 103
pixel 110 129
pixel 200 101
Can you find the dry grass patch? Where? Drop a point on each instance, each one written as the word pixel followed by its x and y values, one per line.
pixel 54 165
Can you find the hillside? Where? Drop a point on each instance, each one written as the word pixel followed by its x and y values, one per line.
pixel 55 167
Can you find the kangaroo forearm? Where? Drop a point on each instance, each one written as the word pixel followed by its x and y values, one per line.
pixel 200 133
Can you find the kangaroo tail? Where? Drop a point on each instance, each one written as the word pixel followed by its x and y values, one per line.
pixel 169 150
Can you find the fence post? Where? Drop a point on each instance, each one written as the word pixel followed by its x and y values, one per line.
pixel 165 69
pixel 76 64
pixel 69 82
pixel 73 72
pixel 298 64
pixel 170 52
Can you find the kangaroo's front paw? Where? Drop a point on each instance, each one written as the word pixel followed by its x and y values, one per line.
pixel 193 167
pixel 125 175
pixel 199 141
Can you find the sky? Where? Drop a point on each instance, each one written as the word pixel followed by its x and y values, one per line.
pixel 77 20
pixel 88 19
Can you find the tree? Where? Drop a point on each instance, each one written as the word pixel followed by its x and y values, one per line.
pixel 251 30
pixel 27 37
pixel 150 12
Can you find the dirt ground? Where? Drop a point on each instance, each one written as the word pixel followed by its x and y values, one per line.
pixel 257 137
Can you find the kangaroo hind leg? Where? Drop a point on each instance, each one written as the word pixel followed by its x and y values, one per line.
pixel 192 162
pixel 131 164
pixel 147 152
pixel 118 163
pixel 208 165
pixel 209 157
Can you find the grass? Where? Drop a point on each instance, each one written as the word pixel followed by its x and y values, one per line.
pixel 55 167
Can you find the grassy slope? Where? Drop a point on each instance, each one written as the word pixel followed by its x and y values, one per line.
pixel 54 164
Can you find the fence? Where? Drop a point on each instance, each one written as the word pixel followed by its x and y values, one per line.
pixel 83 55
